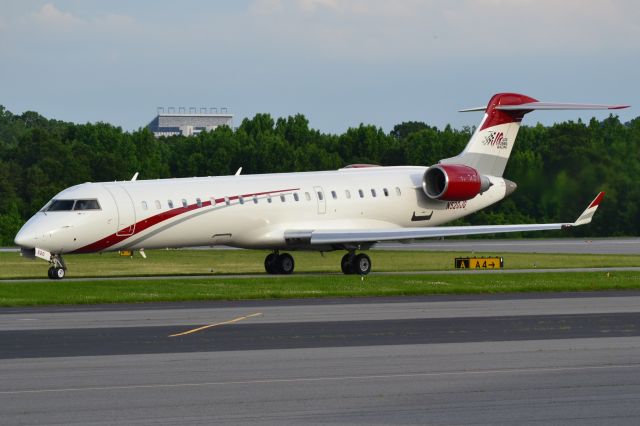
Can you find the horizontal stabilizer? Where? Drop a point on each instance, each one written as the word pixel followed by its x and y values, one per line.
pixel 549 106
pixel 529 106
pixel 482 108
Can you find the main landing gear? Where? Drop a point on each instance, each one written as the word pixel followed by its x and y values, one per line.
pixel 352 263
pixel 58 269
pixel 279 263
pixel 282 263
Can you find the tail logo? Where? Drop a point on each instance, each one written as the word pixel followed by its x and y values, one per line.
pixel 495 139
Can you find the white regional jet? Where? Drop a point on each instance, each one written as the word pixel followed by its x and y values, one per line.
pixel 348 209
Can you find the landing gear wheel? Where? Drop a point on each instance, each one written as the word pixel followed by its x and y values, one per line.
pixel 346 262
pixel 361 264
pixel 56 273
pixel 270 263
pixel 59 273
pixel 285 263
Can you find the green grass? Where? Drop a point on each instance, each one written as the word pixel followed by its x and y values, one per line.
pixel 184 289
pixel 238 262
pixel 200 262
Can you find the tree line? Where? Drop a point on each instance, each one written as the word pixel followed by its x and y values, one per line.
pixel 558 168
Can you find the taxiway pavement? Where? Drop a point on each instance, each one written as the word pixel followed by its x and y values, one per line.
pixel 552 358
pixel 543 245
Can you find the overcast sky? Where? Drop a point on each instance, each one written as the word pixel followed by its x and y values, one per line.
pixel 339 62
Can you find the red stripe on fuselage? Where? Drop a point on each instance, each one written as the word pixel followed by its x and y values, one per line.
pixel 147 223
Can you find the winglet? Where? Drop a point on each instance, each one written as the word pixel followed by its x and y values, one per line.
pixel 586 215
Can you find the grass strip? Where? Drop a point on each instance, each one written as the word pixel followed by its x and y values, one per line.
pixel 201 262
pixel 165 290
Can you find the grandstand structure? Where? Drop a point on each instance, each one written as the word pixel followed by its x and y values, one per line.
pixel 183 121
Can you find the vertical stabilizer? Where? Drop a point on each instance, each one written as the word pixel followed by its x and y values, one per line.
pixel 489 148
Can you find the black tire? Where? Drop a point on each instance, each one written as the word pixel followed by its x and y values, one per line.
pixel 346 262
pixel 51 272
pixel 361 264
pixel 285 263
pixel 270 263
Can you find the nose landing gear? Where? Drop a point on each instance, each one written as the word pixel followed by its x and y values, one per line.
pixel 58 269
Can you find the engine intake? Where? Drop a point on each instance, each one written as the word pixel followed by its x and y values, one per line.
pixel 453 182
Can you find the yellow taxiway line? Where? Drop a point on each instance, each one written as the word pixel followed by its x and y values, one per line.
pixel 195 330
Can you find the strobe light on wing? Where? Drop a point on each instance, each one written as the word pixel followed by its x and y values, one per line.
pixel 453 182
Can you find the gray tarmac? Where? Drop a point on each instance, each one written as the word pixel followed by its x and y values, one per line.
pixel 504 359
pixel 625 245
pixel 630 245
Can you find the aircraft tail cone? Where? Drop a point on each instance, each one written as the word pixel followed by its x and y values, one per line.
pixel 511 186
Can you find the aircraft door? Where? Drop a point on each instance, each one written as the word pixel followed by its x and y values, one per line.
pixel 322 202
pixel 126 210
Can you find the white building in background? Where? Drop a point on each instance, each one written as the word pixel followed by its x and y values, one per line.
pixel 168 122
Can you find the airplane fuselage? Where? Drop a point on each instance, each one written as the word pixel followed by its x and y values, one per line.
pixel 248 211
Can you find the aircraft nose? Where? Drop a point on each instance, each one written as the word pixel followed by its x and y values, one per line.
pixel 25 238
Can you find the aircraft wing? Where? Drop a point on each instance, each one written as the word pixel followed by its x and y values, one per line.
pixel 374 235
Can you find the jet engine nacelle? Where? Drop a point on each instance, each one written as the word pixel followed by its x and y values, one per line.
pixel 453 182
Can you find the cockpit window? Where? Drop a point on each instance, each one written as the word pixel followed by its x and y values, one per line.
pixel 68 205
pixel 61 205
pixel 86 205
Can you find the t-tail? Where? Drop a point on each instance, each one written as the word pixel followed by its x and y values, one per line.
pixel 489 148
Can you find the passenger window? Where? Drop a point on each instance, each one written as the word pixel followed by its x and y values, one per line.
pixel 170 204
pixel 227 201
pixel 307 196
pixel 386 192
pixel 241 199
pixel 144 205
pixel 158 205
pixel 199 202
pixel 347 193
pixel 255 199
pixel 398 193
pixel 334 195
pixel 184 203
pixel 86 205
pixel 373 192
pixel 269 199
pixel 361 192
pixel 282 198
pixel 320 196
pixel 295 196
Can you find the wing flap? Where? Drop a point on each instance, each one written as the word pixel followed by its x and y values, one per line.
pixel 360 236
pixel 373 235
